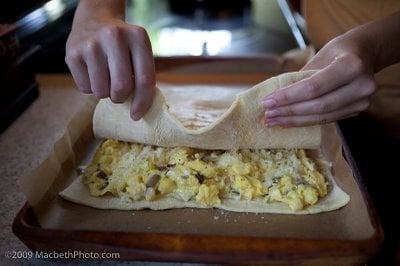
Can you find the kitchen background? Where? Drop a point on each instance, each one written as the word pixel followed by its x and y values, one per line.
pixel 40 29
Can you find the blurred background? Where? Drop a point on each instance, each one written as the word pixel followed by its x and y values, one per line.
pixel 33 36
pixel 176 27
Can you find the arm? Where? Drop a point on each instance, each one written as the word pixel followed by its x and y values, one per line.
pixel 110 58
pixel 344 80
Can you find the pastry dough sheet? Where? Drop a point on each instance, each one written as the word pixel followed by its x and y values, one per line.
pixel 78 193
pixel 239 127
pixel 206 119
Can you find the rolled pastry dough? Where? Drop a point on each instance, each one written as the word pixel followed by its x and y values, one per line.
pixel 240 127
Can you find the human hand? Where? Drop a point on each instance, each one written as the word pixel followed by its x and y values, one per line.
pixel 340 88
pixel 110 58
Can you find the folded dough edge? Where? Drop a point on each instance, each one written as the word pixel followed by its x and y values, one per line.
pixel 240 127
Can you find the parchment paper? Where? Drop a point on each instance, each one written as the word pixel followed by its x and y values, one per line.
pixel 77 145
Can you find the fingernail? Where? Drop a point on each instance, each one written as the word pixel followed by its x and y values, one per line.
pixel 268 103
pixel 272 113
pixel 136 116
pixel 271 123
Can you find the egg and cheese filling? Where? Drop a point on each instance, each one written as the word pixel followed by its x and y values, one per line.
pixel 136 172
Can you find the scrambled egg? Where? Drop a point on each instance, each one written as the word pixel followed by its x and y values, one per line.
pixel 144 172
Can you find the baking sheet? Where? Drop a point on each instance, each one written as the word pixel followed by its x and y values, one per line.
pixel 77 145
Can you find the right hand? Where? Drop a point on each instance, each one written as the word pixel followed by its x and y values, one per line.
pixel 340 88
pixel 110 58
pixel 344 81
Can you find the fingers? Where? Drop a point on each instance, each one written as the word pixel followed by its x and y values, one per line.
pixel 88 65
pixel 314 119
pixel 344 102
pixel 341 103
pixel 98 71
pixel 78 70
pixel 334 92
pixel 120 66
pixel 144 70
pixel 324 81
pixel 360 88
pixel 114 61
